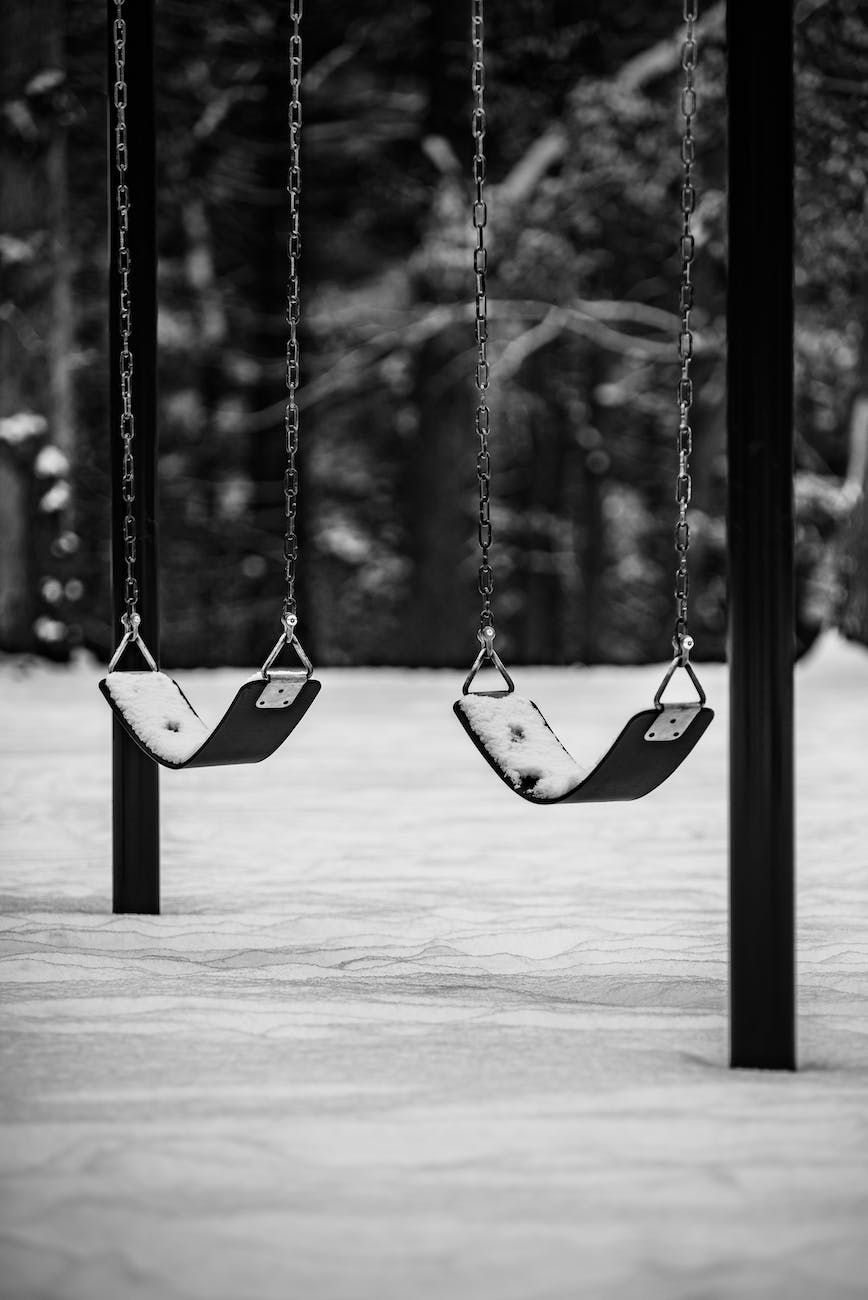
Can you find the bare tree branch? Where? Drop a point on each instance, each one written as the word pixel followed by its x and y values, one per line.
pixel 547 150
pixel 665 56
pixel 591 320
pixel 538 336
pixel 551 146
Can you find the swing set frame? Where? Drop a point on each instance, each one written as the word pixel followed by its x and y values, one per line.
pixel 760 514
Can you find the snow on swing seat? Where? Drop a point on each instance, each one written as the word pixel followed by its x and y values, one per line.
pixel 517 737
pixel 157 710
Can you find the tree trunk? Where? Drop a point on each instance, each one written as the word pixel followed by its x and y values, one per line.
pixel 854 550
pixel 439 510
pixel 34 348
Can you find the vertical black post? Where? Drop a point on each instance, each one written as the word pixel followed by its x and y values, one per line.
pixel 760 432
pixel 135 788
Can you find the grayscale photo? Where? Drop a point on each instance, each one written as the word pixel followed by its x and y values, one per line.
pixel 433 650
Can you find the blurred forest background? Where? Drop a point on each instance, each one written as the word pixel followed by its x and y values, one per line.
pixel 584 177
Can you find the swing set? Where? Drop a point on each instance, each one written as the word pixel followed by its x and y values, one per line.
pixel 156 725
pixel 151 707
pixel 507 729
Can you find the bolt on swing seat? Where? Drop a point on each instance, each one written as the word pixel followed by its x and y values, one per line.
pixel 517 742
pixel 156 714
pixel 508 729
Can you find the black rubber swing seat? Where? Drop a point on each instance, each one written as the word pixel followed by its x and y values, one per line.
pixel 516 741
pixel 156 714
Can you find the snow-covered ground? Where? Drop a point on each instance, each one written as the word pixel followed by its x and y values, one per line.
pixel 400 1035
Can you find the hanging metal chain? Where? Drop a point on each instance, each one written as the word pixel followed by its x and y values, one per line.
pixel 682 642
pixel 293 312
pixel 480 268
pixel 130 618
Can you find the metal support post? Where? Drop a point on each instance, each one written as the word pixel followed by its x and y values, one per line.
pixel 760 442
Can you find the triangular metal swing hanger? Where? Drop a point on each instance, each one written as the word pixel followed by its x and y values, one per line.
pixel 131 636
pixel 487 654
pixel 681 660
pixel 286 639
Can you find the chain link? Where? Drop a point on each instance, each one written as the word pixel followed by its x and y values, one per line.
pixel 293 313
pixel 130 618
pixel 682 642
pixel 291 420
pixel 480 268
